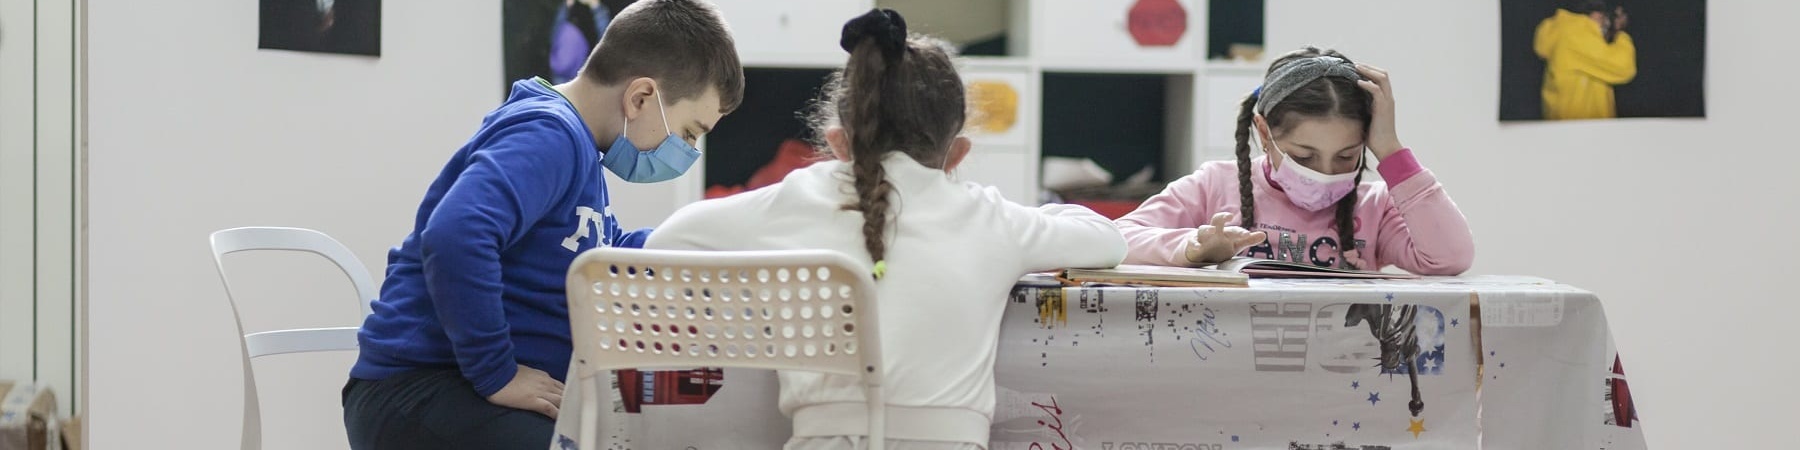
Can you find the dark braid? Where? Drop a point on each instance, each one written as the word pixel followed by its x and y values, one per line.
pixel 872 189
pixel 1246 200
pixel 862 123
pixel 1346 223
pixel 897 93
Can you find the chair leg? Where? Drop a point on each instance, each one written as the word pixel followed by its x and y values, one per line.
pixel 251 439
pixel 877 418
pixel 590 411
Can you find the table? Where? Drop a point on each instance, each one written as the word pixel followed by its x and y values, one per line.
pixel 1499 362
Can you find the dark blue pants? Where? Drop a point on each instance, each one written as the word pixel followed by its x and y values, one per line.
pixel 436 409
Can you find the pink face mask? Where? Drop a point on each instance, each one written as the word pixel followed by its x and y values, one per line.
pixel 1307 188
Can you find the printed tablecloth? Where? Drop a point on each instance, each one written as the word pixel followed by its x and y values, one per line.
pixel 1489 362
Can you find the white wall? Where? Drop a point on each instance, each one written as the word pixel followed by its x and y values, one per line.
pixel 1632 210
pixel 194 130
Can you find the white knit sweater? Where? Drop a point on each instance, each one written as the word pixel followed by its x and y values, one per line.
pixel 954 252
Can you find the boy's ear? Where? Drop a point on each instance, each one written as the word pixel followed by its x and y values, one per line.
pixel 959 149
pixel 637 95
pixel 839 141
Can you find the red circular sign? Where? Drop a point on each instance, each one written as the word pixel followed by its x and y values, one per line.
pixel 1157 23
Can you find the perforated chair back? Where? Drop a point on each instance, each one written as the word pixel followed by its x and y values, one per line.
pixel 809 310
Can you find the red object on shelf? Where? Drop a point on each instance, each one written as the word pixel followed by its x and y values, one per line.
pixel 717 191
pixel 1156 23
pixel 792 155
pixel 1112 209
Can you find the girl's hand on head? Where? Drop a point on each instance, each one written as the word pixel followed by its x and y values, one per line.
pixel 1215 243
pixel 1383 140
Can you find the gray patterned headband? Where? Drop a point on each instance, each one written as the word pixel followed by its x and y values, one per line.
pixel 1291 76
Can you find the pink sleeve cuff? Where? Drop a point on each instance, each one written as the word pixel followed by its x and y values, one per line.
pixel 1399 167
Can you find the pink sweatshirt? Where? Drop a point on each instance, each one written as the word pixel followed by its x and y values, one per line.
pixel 1417 226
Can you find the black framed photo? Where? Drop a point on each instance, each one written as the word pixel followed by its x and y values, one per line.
pixel 1602 59
pixel 351 27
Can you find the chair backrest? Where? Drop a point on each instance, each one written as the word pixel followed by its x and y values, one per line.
pixel 225 242
pixel 811 310
pixel 276 342
pixel 808 310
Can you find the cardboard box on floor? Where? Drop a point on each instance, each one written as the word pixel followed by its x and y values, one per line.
pixel 71 433
pixel 28 417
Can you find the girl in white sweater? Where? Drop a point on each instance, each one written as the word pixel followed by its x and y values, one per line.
pixel 945 254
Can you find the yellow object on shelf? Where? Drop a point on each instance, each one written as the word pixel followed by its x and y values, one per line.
pixel 994 106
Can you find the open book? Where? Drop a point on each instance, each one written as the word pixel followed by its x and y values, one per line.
pixel 1268 268
pixel 1234 272
pixel 1159 276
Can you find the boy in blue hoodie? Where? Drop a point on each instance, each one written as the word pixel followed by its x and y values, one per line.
pixel 469 341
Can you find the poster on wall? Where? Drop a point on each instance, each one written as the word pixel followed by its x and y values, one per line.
pixel 351 27
pixel 551 38
pixel 1602 59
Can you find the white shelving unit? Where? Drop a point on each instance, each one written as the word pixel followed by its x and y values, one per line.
pixel 1043 37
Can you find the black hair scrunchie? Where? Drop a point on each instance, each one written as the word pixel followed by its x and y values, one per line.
pixel 883 25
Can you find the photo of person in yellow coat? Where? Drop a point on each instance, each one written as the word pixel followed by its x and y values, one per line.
pixel 1570 60
pixel 1586 52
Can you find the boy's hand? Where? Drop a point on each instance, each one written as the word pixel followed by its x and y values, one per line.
pixel 1216 242
pixel 531 390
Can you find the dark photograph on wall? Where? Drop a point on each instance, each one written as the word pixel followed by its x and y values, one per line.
pixel 1602 59
pixel 351 27
pixel 551 38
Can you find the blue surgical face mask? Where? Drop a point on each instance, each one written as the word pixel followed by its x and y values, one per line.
pixel 668 160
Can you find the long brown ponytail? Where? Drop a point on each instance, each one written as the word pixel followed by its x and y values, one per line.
pixel 897 93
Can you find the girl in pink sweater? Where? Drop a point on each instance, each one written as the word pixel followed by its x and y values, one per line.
pixel 1315 118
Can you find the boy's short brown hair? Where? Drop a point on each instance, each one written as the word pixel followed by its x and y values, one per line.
pixel 683 44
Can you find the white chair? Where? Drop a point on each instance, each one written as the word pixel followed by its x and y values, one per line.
pixel 806 310
pixel 277 342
